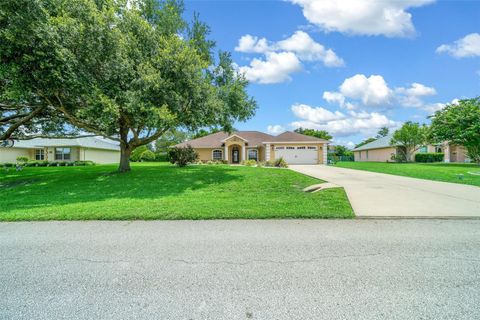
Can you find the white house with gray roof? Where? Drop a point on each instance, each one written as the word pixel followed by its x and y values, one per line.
pixel 96 149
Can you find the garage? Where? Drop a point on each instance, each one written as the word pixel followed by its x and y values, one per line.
pixel 297 154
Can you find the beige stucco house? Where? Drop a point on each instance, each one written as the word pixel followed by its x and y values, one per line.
pixel 94 149
pixel 380 150
pixel 238 146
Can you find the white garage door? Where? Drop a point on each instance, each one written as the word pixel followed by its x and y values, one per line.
pixel 297 155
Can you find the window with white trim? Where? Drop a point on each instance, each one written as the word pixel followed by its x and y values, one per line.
pixel 39 154
pixel 312 148
pixel 217 155
pixel 253 154
pixel 63 153
pixel 279 148
pixel 301 148
pixel 290 148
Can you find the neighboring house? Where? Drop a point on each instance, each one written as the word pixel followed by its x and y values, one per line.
pixel 94 149
pixel 236 147
pixel 380 150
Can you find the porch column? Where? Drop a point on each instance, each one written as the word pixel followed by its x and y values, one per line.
pixel 325 153
pixel 226 153
pixel 244 153
pixel 267 152
pixel 446 152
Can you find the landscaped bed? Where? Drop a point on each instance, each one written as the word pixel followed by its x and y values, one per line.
pixel 163 191
pixel 447 172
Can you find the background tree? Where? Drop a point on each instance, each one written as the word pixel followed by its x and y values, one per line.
pixel 409 138
pixel 127 70
pixel 383 132
pixel 364 142
pixel 169 139
pixel 202 132
pixel 459 124
pixel 322 134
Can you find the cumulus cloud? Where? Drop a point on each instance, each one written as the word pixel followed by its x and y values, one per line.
pixel 433 107
pixel 412 96
pixel 374 92
pixel 276 68
pixel 340 124
pixel 362 17
pixel 299 47
pixel 308 49
pixel 468 46
pixel 275 129
pixel 252 44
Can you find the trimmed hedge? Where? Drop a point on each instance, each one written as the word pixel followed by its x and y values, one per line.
pixel 429 157
pixel 48 164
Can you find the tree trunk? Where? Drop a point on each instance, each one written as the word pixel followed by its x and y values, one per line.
pixel 125 152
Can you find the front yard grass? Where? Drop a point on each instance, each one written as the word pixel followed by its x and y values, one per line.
pixel 447 172
pixel 162 191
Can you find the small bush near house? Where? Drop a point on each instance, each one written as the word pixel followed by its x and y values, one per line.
pixel 182 156
pixel 161 157
pixel 270 163
pixel 281 163
pixel 148 156
pixel 429 157
pixel 249 163
pixel 22 159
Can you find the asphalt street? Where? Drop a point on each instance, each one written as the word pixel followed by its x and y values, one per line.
pixel 271 269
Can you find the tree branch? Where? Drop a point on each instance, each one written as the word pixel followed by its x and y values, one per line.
pixel 21 122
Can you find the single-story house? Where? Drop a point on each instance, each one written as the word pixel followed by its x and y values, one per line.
pixel 380 150
pixel 238 146
pixel 96 149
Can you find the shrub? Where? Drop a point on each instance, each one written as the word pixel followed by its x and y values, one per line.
pixel 148 156
pixel 429 157
pixel 250 163
pixel 182 156
pixel 261 164
pixel 137 153
pixel 161 157
pixel 270 163
pixel 281 163
pixel 22 159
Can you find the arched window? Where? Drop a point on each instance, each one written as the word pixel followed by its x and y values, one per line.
pixel 217 155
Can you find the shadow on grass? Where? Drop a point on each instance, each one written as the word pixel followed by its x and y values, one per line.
pixel 41 187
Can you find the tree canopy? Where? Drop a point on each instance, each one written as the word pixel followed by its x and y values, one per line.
pixel 127 70
pixel 322 134
pixel 459 124
pixel 410 137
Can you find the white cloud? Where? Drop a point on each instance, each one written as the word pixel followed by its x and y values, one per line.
pixel 276 68
pixel 275 129
pixel 317 114
pixel 299 47
pixel 362 17
pixel 412 96
pixel 338 123
pixel 251 44
pixel 433 107
pixel 468 46
pixel 308 50
pixel 371 91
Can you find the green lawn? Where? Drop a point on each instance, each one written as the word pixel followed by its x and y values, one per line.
pixel 448 172
pixel 162 191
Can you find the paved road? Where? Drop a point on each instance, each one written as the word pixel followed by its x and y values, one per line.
pixel 270 269
pixel 378 194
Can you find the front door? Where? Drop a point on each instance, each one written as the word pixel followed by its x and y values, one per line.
pixel 235 156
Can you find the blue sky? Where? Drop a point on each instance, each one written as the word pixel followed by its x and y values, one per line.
pixel 349 66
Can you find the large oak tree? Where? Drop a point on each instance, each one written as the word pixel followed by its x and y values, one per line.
pixel 127 70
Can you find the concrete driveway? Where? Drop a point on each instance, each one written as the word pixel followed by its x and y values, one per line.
pixel 213 270
pixel 382 195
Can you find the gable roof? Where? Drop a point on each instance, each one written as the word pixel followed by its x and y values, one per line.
pixel 85 142
pixel 383 142
pixel 289 136
pixel 254 138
